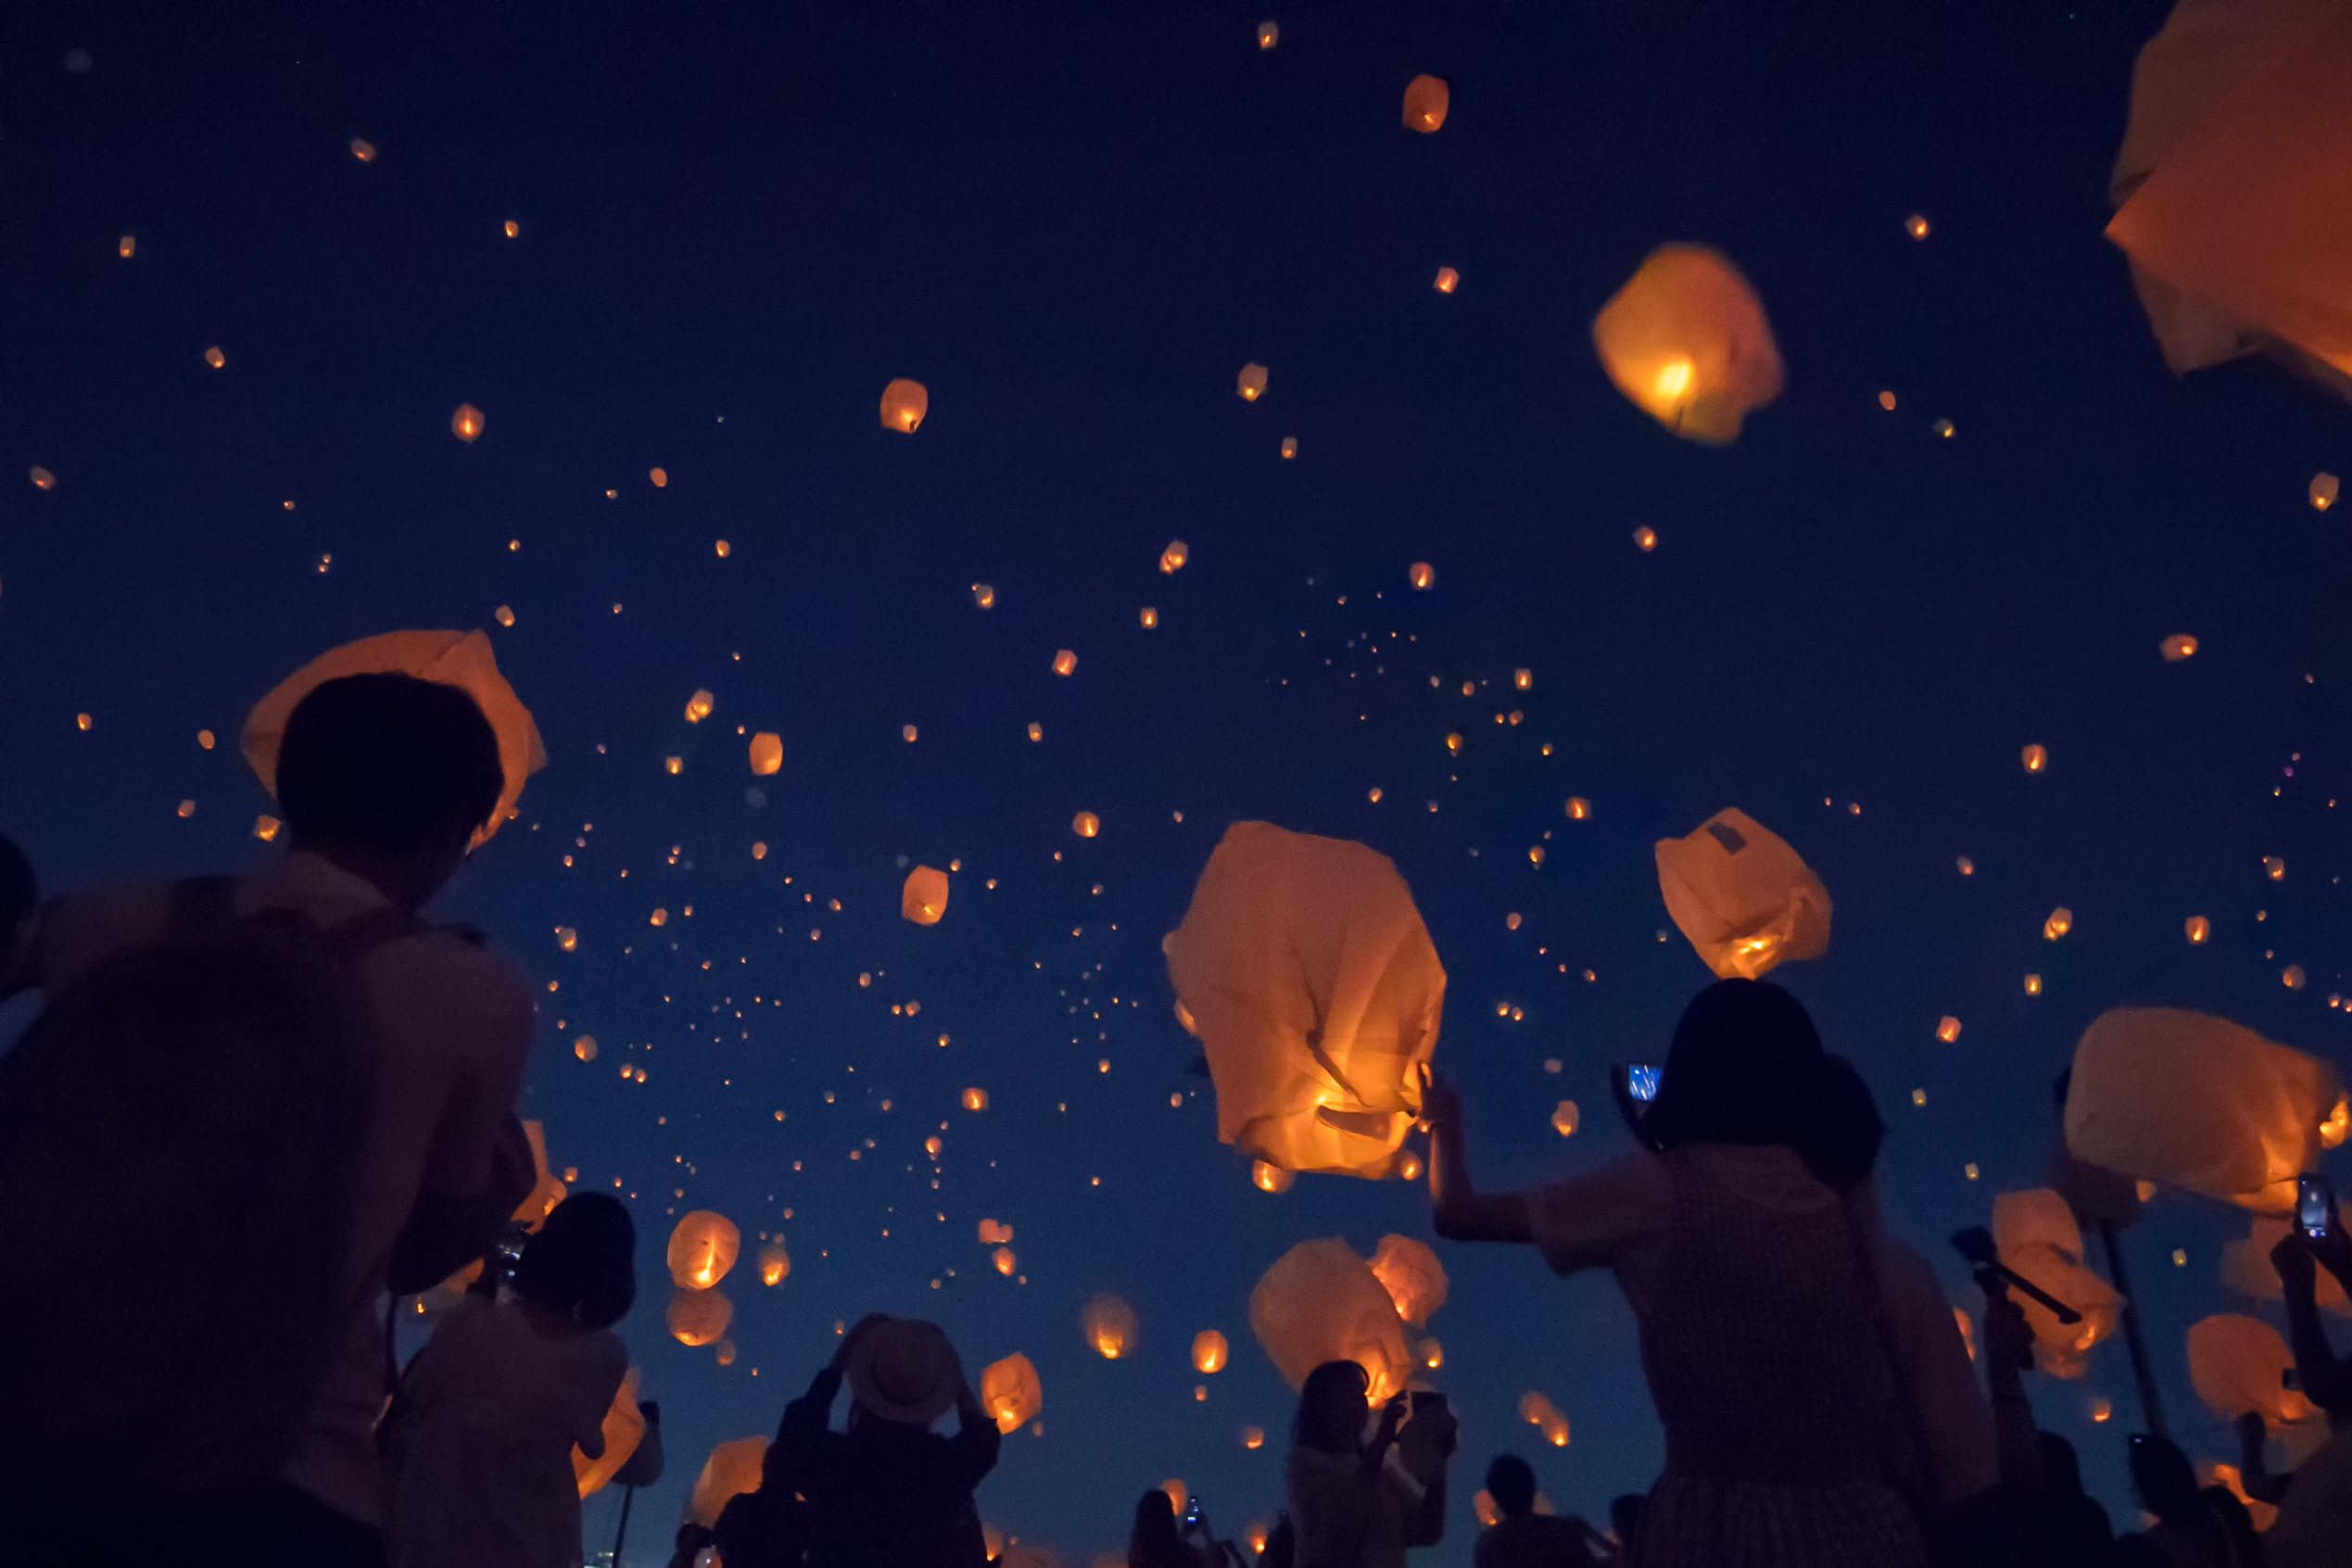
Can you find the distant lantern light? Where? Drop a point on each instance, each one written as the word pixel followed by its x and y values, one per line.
pixel 923 899
pixel 1448 280
pixel 974 1099
pixel 503 614
pixel 1172 559
pixel 265 827
pixel 767 753
pixel 723 549
pixel 1085 825
pixel 903 405
pixel 2034 985
pixel 1150 617
pixel 1006 1259
pixel 1565 1119
pixel 1522 679
pixel 674 764
pixel 567 938
pixel 514 229
pixel 585 1047
pixel 1290 446
pixel 1453 744
pixel 702 1248
pixel 1269 1178
pixel 466 424
pixel 697 707
pixel 1579 808
pixel 1887 401
pixel 127 247
pixel 2292 975
pixel 1646 538
pixel 1251 383
pixel 2179 646
pixel 42 478
pixel 907 732
pixel 1109 1326
pixel 214 357
pixel 1269 34
pixel 1422 574
pixel 1948 1030
pixel 2274 868
pixel 1065 662
pixel 2324 489
pixel 2060 922
pixel 2036 758
pixel 776 1264
pixel 1036 730
pixel 984 595
pixel 2198 929
pixel 1943 429
pixel 1915 226
pixel 661 477
pixel 1426 100
pixel 363 149
pixel 1686 341
pixel 1209 1351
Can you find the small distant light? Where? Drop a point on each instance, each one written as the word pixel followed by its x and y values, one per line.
pixel 514 229
pixel 1645 537
pixel 1446 280
pixel 1887 401
pixel 1915 226
pixel 363 149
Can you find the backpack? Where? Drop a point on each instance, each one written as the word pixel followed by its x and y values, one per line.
pixel 177 1138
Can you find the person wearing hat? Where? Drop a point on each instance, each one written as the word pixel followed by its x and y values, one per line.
pixel 887 1491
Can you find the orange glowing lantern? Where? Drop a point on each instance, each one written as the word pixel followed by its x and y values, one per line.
pixel 1426 100
pixel 2246 1268
pixel 1269 1178
pixel 923 899
pixel 624 1428
pixel 1006 1260
pixel 503 614
pixel 1172 559
pixel 1411 1275
pixel 1745 900
pixel 2038 1238
pixel 697 707
pixel 974 1099
pixel 2235 1363
pixel 1290 446
pixel 1948 1029
pixel 1209 1351
pixel 127 247
pixel 1320 1302
pixel 1065 662
pixel 984 596
pixel 1311 980
pixel 1251 383
pixel 585 1047
pixel 2060 922
pixel 699 1317
pixel 265 827
pixel 1150 617
pixel 363 149
pixel 42 478
pixel 1448 280
pixel 732 1470
pixel 659 477
pixel 1011 1393
pixel 1422 574
pixel 2198 929
pixel 466 424
pixel 1686 342
pixel 1085 825
pixel 1579 808
pixel 2035 758
pixel 2200 1103
pixel 776 1264
pixel 2325 488
pixel 1565 1119
pixel 903 405
pixel 767 753
pixel 702 1248
pixel 2177 647
pixel 214 357
pixel 1109 1326
pixel 1267 33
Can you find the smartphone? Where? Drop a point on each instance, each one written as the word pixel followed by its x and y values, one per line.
pixel 1192 1511
pixel 1641 1081
pixel 2313 1197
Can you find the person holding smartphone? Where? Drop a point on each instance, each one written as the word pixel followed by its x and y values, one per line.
pixel 1819 1405
pixel 1358 1503
pixel 2316 1517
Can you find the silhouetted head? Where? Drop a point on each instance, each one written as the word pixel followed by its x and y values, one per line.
pixel 1747 1066
pixel 390 774
pixel 1511 1481
pixel 2161 1474
pixel 2061 1471
pixel 19 899
pixel 1332 1409
pixel 1154 1527
pixel 583 1262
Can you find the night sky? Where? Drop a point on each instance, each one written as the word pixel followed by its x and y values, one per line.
pixel 1075 224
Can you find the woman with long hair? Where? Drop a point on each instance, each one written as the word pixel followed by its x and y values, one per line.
pixel 1358 1502
pixel 1819 1405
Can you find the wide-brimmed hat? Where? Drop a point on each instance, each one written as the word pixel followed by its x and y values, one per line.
pixel 905 1370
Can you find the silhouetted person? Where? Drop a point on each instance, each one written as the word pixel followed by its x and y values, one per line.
pixel 2189 1532
pixel 888 1490
pixel 20 905
pixel 1524 1538
pixel 1158 1539
pixel 1625 1521
pixel 2072 1526
pixel 1814 1391
pixel 489 1411
pixel 2315 1519
pixel 249 1106
pixel 1358 1503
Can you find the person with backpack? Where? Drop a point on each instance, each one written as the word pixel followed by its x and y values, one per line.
pixel 249 1108
pixel 482 1433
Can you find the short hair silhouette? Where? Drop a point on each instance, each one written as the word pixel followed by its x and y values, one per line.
pixel 1511 1481
pixel 583 1262
pixel 389 763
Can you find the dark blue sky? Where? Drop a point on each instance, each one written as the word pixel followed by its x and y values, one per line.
pixel 1075 224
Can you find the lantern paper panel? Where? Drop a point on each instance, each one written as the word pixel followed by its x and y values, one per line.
pixel 1309 978
pixel 1011 1393
pixel 699 1317
pixel 1686 342
pixel 1320 1302
pixel 1743 897
pixel 732 1470
pixel 2038 1238
pixel 903 405
pixel 448 658
pixel 702 1248
pixel 1411 1275
pixel 2236 1362
pixel 1426 100
pixel 1109 1326
pixel 2200 1103
pixel 2246 1268
pixel 2225 185
pixel 767 753
pixel 924 898
pixel 624 1430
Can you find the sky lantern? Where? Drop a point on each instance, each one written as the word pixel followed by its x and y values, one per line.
pixel 924 898
pixel 363 149
pixel 2235 1363
pixel 702 1248
pixel 2060 922
pixel 2325 488
pixel 994 1233
pixel 974 1099
pixel 1251 383
pixel 1422 574
pixel 1687 341
pixel 1426 99
pixel 1269 1178
pixel 984 596
pixel 1011 1393
pixel 1320 1302
pixel 776 1264
pixel 1448 280
pixel 1085 825
pixel 2198 929
pixel 450 658
pixel 2036 758
pixel 2246 1268
pixel 2178 645
pixel 624 1430
pixel 1065 662
pixel 732 1470
pixel 2222 187
pixel 1006 1260
pixel 1948 1029
pixel 1311 982
pixel 903 405
pixel 1565 1119
pixel 767 753
pixel 1411 1275
pixel 2038 1237
pixel 2203 1104
pixel 466 424
pixel 1209 1351
pixel 697 707
pixel 1172 559
pixel 1742 896
pixel 1150 618
pixel 699 1317
pixel 42 478
pixel 1269 32
pixel 1109 1326
pixel 127 247
pixel 1290 446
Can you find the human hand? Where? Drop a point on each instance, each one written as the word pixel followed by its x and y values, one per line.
pixel 2008 1337
pixel 2293 1258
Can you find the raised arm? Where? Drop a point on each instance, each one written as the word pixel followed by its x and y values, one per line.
pixel 1457 1210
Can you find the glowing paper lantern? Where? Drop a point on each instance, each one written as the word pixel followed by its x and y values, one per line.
pixel 993 1234
pixel 1411 1275
pixel 767 753
pixel 699 1317
pixel 1422 574
pixel 1448 280
pixel 2235 1364
pixel 702 1248
pixel 1006 1260
pixel 1251 383
pixel 1564 1118
pixel 1687 341
pixel 2246 1268
pixel 1267 33
pixel 1742 896
pixel 1311 983
pixel 42 478
pixel 2038 1237
pixel 1065 662
pixel 974 1099
pixel 2177 647
pixel 732 1470
pixel 1110 1324
pixel 624 1430
pixel 2060 922
pixel 924 898
pixel 2035 758
pixel 1948 1029
pixel 1290 446
pixel 1085 825
pixel 697 707
pixel 459 659
pixel 1269 1178
pixel 466 424
pixel 1010 1392
pixel 363 149
pixel 1172 559
pixel 2198 929
pixel 903 405
pixel 1320 1302
pixel 1426 99
pixel 1209 1351
pixel 984 596
pixel 2325 488
pixel 776 1264
pixel 2223 186
pixel 2200 1103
